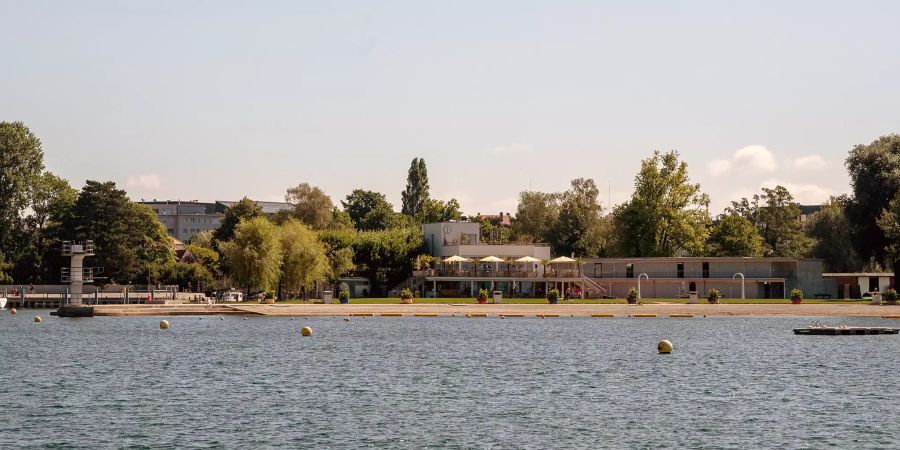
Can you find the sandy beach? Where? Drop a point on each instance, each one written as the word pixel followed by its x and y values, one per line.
pixel 577 310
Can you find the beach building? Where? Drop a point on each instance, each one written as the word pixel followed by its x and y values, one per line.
pixel 734 277
pixel 858 284
pixel 466 263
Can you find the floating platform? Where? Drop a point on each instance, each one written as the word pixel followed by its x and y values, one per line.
pixel 845 331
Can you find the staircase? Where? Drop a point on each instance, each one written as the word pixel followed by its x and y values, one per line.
pixel 413 283
pixel 592 286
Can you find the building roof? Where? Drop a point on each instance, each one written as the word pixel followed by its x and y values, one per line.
pixel 810 209
pixel 267 207
pixel 857 274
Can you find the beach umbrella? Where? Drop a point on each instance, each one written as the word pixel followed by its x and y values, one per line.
pixel 561 259
pixel 457 259
pixel 491 259
pixel 528 260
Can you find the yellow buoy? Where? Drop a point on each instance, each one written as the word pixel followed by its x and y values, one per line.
pixel 13 311
pixel 664 346
pixel 306 331
pixel 37 319
pixel 164 325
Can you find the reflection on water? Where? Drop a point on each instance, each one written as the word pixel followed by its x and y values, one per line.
pixel 447 382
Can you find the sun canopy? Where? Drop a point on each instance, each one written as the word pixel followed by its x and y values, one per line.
pixel 528 259
pixel 491 259
pixel 457 258
pixel 562 259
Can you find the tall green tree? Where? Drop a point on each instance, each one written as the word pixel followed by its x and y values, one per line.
pixel 536 216
pixel 21 164
pixel 254 256
pixel 579 228
pixel 243 210
pixel 667 213
pixel 311 205
pixel 776 217
pixel 874 171
pixel 734 235
pixel 128 237
pixel 433 210
pixel 53 201
pixel 417 190
pixel 304 258
pixel 360 203
pixel 832 236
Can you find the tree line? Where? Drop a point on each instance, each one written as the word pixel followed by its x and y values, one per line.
pixel 318 241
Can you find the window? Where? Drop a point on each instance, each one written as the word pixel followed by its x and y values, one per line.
pixel 680 269
pixel 629 270
pixel 706 270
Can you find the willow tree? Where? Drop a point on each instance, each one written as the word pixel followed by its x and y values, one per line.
pixel 667 213
pixel 254 256
pixel 303 256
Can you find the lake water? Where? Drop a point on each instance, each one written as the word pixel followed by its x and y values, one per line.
pixel 444 383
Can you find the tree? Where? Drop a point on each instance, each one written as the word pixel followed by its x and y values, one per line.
pixel 734 235
pixel 184 275
pixel 245 209
pixel 361 203
pixel 206 257
pixel 831 234
pixel 416 192
pixel 667 213
pixel 304 259
pixel 311 205
pixel 21 164
pixel 777 219
pixel 254 256
pixel 874 171
pixel 433 211
pixel 535 216
pixel 53 200
pixel 204 239
pixel 579 225
pixel 128 237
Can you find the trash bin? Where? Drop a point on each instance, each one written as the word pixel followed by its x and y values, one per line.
pixel 498 296
pixel 693 297
pixel 876 298
pixel 327 296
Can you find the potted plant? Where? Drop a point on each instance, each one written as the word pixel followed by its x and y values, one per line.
pixel 632 296
pixel 890 296
pixel 713 296
pixel 796 296
pixel 344 296
pixel 270 297
pixel 553 296
pixel 482 295
pixel 406 295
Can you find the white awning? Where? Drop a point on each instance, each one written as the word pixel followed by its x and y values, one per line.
pixel 562 259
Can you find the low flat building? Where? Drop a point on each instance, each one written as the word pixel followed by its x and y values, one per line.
pixel 858 284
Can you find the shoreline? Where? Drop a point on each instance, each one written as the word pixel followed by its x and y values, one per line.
pixel 513 310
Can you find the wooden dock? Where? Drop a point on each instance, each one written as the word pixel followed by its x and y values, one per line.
pixel 844 331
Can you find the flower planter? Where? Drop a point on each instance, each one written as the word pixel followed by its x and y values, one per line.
pixel 796 301
pixel 482 300
pixel 553 301
pixel 407 300
pixel 631 301
pixel 713 301
pixel 270 301
pixel 345 300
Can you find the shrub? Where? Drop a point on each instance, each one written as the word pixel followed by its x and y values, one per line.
pixel 890 295
pixel 270 294
pixel 482 294
pixel 344 294
pixel 632 294
pixel 713 294
pixel 553 294
pixel 797 293
pixel 406 293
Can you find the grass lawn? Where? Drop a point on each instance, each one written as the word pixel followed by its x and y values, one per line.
pixel 531 301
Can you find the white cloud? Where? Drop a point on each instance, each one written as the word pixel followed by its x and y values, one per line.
pixel 513 148
pixel 754 157
pixel 806 194
pixel 810 163
pixel 145 181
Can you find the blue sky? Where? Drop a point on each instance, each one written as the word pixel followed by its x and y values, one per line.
pixel 219 99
